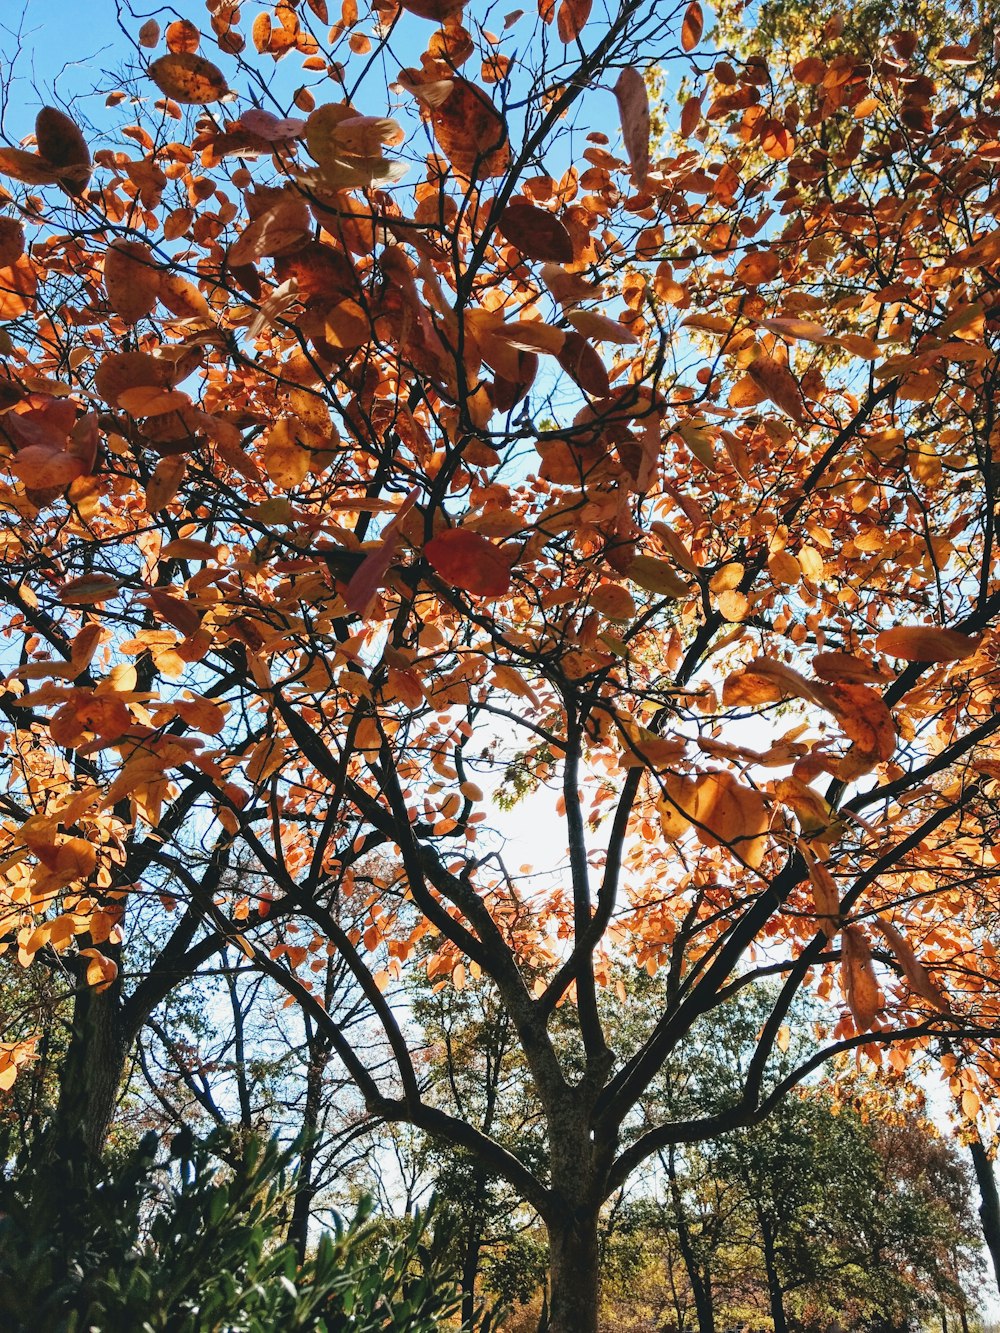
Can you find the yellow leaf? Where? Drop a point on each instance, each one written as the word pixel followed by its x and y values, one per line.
pixel 656 576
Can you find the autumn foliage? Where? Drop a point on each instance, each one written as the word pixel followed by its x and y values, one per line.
pixel 372 442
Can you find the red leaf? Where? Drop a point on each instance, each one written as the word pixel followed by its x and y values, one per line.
pixel 470 562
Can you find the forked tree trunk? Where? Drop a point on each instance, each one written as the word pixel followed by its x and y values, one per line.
pixel 574 1272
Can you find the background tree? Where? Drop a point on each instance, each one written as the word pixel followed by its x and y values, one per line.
pixel 330 513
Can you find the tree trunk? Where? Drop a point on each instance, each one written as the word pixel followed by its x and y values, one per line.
pixel 701 1280
pixel 470 1271
pixel 775 1292
pixel 305 1183
pixel 91 1073
pixel 989 1207
pixel 574 1277
pixel 474 1232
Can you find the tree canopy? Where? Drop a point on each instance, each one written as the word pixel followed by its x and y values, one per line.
pixel 404 413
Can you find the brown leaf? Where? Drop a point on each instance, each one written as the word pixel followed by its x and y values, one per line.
pixel 188 78
pixel 582 361
pixel 61 142
pixel 11 241
pixel 434 10
pixel 571 18
pixel 633 110
pixel 364 584
pixel 690 116
pixel 536 232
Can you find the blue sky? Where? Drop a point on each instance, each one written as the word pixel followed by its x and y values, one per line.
pixel 65 44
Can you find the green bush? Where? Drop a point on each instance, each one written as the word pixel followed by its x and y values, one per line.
pixel 96 1251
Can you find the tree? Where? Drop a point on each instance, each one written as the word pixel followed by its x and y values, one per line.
pixel 329 513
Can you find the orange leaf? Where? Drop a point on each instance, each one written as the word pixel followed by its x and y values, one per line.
pixel 182 35
pixel 915 972
pixel 132 279
pixel 18 283
pixel 189 548
pixel 283 227
pixel 759 267
pixel 164 483
pixel 861 990
pixel 472 132
pixel 692 26
pixel 11 241
pixel 865 718
pixel 40 468
pixel 260 33
pixel 188 78
pixel 926 643
pixel 28 168
pixel 470 562
pixel 778 383
pixel 599 327
pixel 149 400
pixel 826 899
